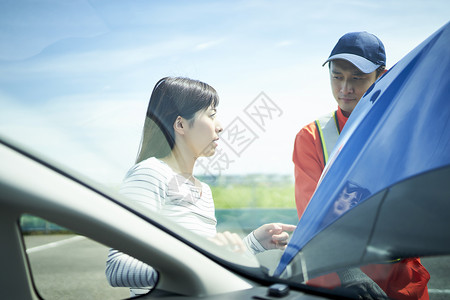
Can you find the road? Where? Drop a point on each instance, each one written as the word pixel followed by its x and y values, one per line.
pixel 70 267
pixel 73 267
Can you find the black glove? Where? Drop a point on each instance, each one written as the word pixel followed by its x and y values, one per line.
pixel 357 281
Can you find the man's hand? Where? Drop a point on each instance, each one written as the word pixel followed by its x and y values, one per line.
pixel 356 280
pixel 273 235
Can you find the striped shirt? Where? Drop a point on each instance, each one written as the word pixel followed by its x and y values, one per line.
pixel 155 186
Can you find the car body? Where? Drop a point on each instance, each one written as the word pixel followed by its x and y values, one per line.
pixel 395 142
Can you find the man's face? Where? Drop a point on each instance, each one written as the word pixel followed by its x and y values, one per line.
pixel 348 84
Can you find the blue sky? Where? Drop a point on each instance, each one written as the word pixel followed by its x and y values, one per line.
pixel 75 76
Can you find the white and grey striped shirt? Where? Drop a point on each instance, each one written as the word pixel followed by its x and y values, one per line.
pixel 154 185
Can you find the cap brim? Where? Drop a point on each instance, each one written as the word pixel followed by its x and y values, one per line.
pixel 365 65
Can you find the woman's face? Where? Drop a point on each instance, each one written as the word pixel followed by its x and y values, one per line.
pixel 202 136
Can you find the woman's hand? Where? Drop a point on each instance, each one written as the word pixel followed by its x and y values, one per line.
pixel 230 240
pixel 273 235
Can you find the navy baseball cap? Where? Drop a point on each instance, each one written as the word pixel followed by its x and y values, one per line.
pixel 362 49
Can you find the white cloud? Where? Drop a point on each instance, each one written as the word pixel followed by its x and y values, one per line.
pixel 99 59
pixel 285 43
pixel 209 44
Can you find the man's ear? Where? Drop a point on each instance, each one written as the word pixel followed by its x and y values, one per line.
pixel 381 73
pixel 178 125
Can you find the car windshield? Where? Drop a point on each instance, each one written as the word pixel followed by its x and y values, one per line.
pixel 76 79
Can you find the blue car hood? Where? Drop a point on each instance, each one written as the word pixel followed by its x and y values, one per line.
pixel 399 129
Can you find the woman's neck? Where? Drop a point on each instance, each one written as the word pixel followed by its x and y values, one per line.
pixel 179 163
pixel 182 165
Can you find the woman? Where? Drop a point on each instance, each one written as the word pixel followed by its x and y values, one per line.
pixel 180 126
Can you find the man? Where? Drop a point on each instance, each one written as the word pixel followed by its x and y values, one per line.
pixel 355 63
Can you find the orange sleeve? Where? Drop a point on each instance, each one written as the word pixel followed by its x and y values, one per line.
pixel 308 164
pixel 409 280
pixel 404 280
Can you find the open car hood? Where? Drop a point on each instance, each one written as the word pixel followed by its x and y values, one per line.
pixel 384 193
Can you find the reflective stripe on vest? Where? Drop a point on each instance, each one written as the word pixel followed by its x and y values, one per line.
pixel 328 128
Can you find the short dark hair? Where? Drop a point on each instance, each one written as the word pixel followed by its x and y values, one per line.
pixel 172 97
pixel 380 70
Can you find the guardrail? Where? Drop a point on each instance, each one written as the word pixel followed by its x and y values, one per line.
pixel 35 225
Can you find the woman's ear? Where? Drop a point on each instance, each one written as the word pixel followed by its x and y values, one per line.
pixel 178 125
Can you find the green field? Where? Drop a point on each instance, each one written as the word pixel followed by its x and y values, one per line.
pixel 254 196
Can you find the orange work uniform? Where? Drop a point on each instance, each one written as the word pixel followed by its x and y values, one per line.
pixel 406 279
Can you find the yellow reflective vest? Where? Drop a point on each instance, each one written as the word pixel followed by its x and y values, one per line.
pixel 329 131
